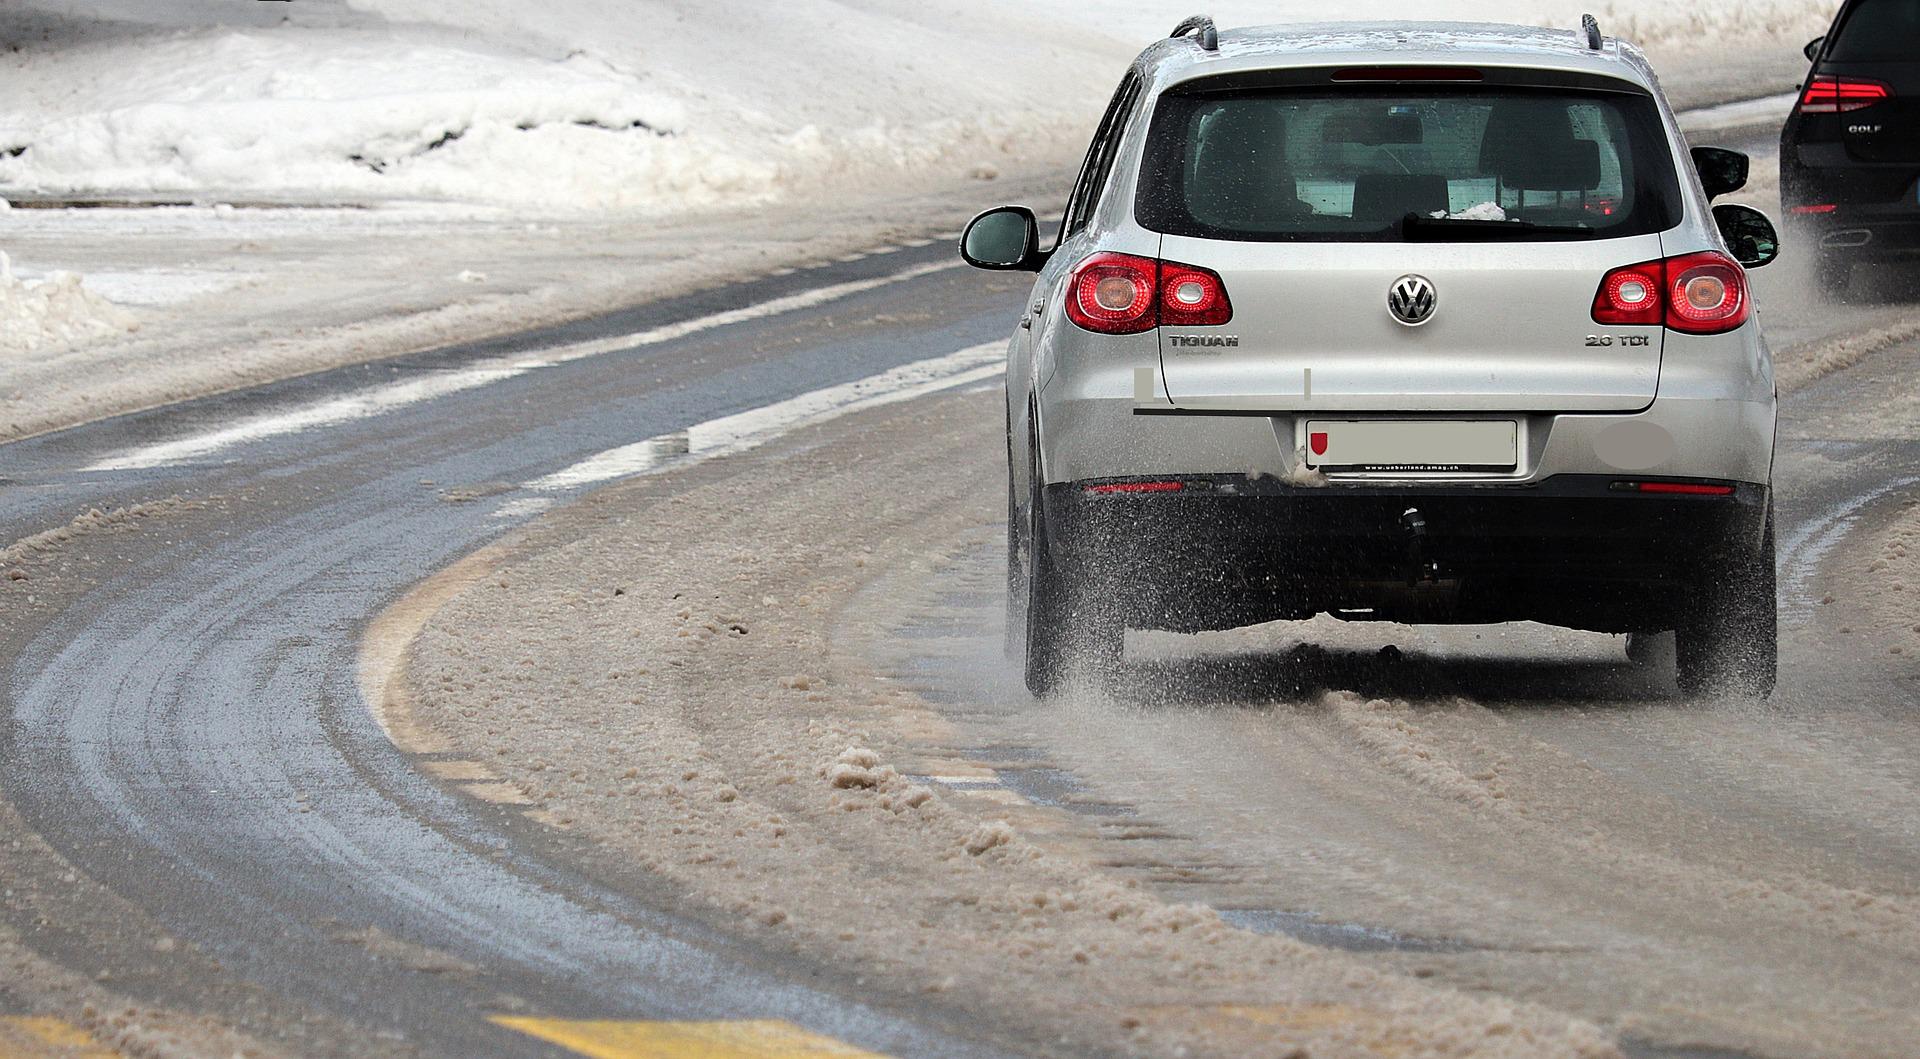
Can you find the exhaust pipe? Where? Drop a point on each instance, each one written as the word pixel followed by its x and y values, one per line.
pixel 1846 238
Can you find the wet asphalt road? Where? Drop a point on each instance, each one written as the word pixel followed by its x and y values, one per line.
pixel 181 724
pixel 182 721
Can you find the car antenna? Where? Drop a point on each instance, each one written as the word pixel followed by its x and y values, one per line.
pixel 1209 37
pixel 1592 26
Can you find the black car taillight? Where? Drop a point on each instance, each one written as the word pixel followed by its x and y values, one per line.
pixel 1837 95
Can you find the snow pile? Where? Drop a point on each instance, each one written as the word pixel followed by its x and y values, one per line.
pixel 52 313
pixel 644 106
pixel 1483 211
pixel 359 115
pixel 1660 27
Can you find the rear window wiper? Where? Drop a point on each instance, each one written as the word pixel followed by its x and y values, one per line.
pixel 1420 228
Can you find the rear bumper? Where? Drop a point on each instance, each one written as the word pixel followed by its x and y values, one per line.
pixel 1861 232
pixel 1225 551
pixel 1714 419
pixel 1864 210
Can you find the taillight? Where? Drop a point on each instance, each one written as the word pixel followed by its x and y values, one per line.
pixel 1631 295
pixel 1837 95
pixel 1191 297
pixel 1120 294
pixel 1706 293
pixel 1699 294
pixel 1114 294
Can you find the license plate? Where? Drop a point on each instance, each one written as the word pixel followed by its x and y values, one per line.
pixel 1414 445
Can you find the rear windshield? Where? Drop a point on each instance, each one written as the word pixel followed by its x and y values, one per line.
pixel 1470 163
pixel 1878 30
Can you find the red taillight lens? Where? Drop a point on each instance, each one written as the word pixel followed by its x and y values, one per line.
pixel 1837 95
pixel 1631 295
pixel 1114 294
pixel 1699 294
pixel 1406 73
pixel 1818 207
pixel 1120 294
pixel 1706 294
pixel 1192 297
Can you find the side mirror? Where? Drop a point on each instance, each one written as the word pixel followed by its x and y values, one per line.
pixel 1722 171
pixel 1749 235
pixel 1006 239
pixel 1812 50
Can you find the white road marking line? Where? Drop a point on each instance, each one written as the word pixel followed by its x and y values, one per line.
pixel 525 507
pixel 757 426
pixel 386 398
pixel 336 410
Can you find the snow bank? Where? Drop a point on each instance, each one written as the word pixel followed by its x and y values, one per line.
pixel 1684 28
pixel 354 115
pixel 648 106
pixel 52 313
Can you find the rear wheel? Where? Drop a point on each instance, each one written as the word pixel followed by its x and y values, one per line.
pixel 1728 641
pixel 1017 559
pixel 1068 628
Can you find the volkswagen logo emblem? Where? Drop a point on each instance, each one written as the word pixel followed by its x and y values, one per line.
pixel 1411 300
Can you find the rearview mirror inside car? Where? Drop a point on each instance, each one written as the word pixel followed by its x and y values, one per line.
pixel 1812 50
pixel 1750 236
pixel 1006 239
pixel 1374 127
pixel 1721 171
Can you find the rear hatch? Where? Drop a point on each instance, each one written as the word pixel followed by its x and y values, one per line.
pixel 1500 207
pixel 1875 45
pixel 1510 330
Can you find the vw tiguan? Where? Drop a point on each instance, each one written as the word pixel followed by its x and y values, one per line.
pixel 1406 322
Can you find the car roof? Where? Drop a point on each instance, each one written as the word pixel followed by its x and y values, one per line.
pixel 1180 59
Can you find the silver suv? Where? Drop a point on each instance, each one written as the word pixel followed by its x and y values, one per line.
pixel 1405 322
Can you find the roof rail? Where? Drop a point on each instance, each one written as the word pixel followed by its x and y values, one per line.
pixel 1592 26
pixel 1209 37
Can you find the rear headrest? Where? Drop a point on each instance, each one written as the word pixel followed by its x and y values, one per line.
pixel 1240 176
pixel 1530 145
pixel 1244 139
pixel 1391 196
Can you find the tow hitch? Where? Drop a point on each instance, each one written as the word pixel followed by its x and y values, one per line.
pixel 1419 567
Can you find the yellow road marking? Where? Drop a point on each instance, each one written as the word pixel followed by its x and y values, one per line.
pixel 41 1037
pixel 1371 1032
pixel 754 1039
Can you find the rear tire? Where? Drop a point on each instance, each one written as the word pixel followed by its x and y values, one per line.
pixel 1728 642
pixel 1069 630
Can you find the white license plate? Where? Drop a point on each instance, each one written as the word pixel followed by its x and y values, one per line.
pixel 1414 445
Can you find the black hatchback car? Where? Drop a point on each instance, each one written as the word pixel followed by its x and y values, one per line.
pixel 1850 153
